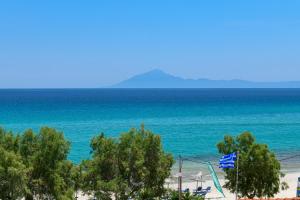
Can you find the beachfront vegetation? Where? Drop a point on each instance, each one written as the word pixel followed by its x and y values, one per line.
pixel 45 157
pixel 35 166
pixel 259 170
pixel 134 166
pixel 12 175
pixel 174 195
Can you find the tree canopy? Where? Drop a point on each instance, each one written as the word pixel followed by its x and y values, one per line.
pixel 133 166
pixel 35 166
pixel 259 170
pixel 12 175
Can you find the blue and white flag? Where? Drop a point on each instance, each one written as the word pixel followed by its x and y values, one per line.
pixel 227 161
pixel 226 166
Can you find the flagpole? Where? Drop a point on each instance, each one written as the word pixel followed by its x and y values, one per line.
pixel 180 178
pixel 237 175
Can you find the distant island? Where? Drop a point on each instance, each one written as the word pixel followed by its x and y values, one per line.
pixel 159 79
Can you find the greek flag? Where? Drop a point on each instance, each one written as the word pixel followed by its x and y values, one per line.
pixel 227 161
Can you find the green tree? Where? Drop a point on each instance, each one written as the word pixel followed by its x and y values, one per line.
pixel 100 174
pixel 12 175
pixel 76 177
pixel 143 164
pixel 27 148
pixel 45 156
pixel 174 195
pixel 9 141
pixel 130 164
pixel 259 170
pixel 134 166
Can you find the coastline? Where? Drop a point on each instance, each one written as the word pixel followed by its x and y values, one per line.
pixel 290 178
pixel 190 169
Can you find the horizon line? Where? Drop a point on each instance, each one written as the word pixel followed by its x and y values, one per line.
pixel 115 88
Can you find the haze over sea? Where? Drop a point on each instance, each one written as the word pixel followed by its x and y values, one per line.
pixel 190 121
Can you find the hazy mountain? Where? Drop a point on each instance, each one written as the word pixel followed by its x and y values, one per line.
pixel 159 79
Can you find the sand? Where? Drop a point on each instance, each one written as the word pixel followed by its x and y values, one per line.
pixel 291 178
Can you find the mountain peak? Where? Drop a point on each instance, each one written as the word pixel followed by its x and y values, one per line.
pixel 157 78
pixel 156 72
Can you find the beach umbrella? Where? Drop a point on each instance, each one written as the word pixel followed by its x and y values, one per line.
pixel 198 177
pixel 179 175
pixel 199 174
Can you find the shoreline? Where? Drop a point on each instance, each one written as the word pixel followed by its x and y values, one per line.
pixel 290 178
pixel 190 169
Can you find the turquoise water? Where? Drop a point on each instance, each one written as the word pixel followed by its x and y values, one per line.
pixel 190 121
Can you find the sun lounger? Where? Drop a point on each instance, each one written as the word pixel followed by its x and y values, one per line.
pixel 202 192
pixel 186 190
pixel 208 189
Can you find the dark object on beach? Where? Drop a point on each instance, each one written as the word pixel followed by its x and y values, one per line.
pixel 202 192
pixel 186 190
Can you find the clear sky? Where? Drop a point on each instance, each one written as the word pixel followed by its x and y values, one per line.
pixel 59 43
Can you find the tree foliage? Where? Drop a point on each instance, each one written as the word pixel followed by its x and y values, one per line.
pixel 12 175
pixel 45 155
pixel 12 170
pixel 35 166
pixel 9 141
pixel 174 195
pixel 134 166
pixel 100 172
pixel 259 170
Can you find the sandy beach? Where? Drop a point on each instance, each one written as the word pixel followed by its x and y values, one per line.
pixel 290 178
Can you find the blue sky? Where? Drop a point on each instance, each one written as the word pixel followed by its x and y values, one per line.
pixel 97 43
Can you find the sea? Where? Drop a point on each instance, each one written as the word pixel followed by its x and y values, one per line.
pixel 190 121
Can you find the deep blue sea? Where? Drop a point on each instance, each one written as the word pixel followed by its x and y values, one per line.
pixel 190 121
